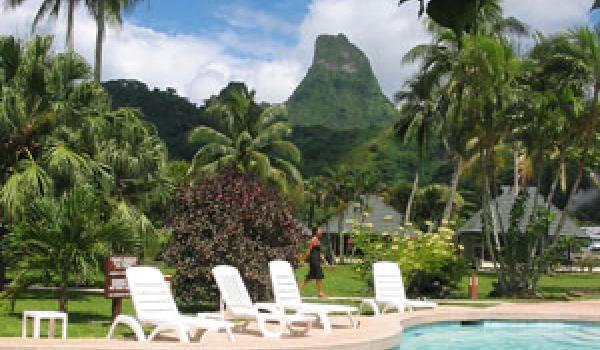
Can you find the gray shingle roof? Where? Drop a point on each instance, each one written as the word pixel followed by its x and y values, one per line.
pixel 383 216
pixel 505 203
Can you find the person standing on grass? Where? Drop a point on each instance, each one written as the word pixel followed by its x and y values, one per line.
pixel 313 253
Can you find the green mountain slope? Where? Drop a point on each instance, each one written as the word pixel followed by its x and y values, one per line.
pixel 174 116
pixel 340 90
pixel 396 161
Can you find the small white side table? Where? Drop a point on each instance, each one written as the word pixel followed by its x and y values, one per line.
pixel 37 316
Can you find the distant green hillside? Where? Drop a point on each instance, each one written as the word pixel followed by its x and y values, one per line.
pixel 396 161
pixel 340 90
pixel 322 148
pixel 174 116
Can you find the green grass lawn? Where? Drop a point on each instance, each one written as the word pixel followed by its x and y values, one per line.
pixel 345 281
pixel 341 280
pixel 89 314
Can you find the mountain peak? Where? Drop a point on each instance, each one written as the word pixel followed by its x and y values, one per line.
pixel 340 90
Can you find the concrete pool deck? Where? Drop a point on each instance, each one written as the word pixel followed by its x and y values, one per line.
pixel 374 333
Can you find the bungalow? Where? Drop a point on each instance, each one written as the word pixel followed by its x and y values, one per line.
pixel 373 210
pixel 470 234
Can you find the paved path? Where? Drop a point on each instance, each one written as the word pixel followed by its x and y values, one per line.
pixel 375 333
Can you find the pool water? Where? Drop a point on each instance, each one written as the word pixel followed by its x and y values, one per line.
pixel 497 335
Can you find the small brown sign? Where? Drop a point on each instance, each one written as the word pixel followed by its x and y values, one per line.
pixel 115 283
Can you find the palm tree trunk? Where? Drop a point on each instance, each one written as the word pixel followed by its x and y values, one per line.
pixel 70 20
pixel 3 231
pixel 516 169
pixel 569 206
pixel 411 198
pixel 341 234
pixel 488 222
pixel 2 272
pixel 553 187
pixel 62 292
pixel 100 33
pixel 453 190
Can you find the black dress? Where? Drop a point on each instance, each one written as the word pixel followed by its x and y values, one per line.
pixel 315 272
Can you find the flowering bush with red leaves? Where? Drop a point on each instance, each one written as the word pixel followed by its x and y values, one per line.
pixel 230 219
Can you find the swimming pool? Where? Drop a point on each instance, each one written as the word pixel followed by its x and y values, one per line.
pixel 500 335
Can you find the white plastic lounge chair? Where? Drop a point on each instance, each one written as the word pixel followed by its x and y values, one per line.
pixel 237 305
pixel 287 297
pixel 154 305
pixel 389 290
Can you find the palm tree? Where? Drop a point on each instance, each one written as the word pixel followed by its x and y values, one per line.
pixel 420 120
pixel 584 48
pixel 487 70
pixel 104 11
pixel 52 8
pixel 341 193
pixel 438 59
pixel 62 239
pixel 250 137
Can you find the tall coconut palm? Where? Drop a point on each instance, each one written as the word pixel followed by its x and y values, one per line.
pixel 52 8
pixel 250 137
pixel 585 48
pixel 487 71
pixel 438 59
pixel 103 12
pixel 419 121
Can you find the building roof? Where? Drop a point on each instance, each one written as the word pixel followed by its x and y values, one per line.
pixel 505 204
pixel 382 216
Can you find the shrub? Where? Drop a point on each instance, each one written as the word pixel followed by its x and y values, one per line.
pixel 430 262
pixel 229 219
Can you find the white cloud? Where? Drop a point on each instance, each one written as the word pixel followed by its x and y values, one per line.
pixel 250 18
pixel 200 66
pixel 196 67
pixel 549 16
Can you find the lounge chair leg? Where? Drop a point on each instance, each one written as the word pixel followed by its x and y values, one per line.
pixel 130 322
pixel 230 335
pixel 262 326
pixel 371 304
pixel 154 332
pixel 183 334
pixel 325 321
pixel 353 321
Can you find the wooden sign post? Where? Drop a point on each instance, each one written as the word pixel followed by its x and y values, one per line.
pixel 115 283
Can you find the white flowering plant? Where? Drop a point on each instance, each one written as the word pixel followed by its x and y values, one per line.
pixel 431 262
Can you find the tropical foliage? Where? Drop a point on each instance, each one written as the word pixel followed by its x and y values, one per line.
pixel 489 101
pixel 250 137
pixel 229 219
pixel 430 261
pixel 61 143
pixel 63 241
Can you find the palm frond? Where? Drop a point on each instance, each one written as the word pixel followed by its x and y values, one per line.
pixel 205 134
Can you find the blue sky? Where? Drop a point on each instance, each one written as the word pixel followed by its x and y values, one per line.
pixel 198 46
pixel 271 21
